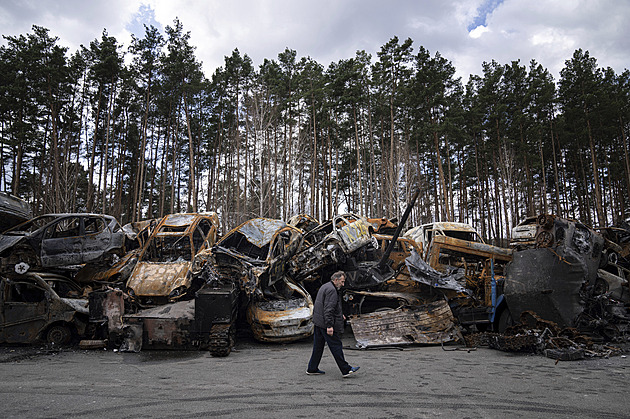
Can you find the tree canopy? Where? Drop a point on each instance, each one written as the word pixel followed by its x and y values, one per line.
pixel 143 132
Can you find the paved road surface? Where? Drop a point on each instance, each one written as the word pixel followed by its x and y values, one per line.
pixel 262 381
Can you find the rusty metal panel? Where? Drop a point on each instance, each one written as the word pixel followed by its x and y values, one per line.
pixel 447 244
pixel 427 324
pixel 167 326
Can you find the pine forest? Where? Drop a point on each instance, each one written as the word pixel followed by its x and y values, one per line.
pixel 141 132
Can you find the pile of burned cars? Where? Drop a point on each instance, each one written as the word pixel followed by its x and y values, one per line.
pixel 175 283
pixel 38 300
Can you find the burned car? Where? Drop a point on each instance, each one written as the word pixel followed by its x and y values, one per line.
pixel 339 243
pixel 256 252
pixel 163 272
pixel 524 234
pixel 54 240
pixel 282 320
pixel 255 256
pixel 617 244
pixel 31 310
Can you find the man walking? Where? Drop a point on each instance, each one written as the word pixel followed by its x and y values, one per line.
pixel 328 319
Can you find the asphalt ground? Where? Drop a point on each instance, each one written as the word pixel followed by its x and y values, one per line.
pixel 268 381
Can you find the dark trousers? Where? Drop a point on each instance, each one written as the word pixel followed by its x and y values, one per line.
pixel 334 344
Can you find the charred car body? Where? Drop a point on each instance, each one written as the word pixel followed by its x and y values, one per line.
pixel 164 271
pixel 255 255
pixel 60 240
pixel 340 243
pixel 31 310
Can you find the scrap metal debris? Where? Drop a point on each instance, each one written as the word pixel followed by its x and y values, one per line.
pixel 536 335
pixel 431 323
pixel 421 271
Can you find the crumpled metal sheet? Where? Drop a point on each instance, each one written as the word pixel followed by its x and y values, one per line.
pixel 260 231
pixel 432 323
pixel 421 271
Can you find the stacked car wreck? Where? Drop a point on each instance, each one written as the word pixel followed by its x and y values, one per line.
pixel 174 283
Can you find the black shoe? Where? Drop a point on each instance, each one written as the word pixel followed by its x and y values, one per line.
pixel 352 371
pixel 318 372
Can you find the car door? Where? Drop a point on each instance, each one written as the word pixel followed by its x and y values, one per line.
pixel 97 238
pixel 24 310
pixel 62 242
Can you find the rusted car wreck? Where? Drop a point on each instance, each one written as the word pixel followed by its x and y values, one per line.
pixel 164 271
pixel 32 310
pixel 256 255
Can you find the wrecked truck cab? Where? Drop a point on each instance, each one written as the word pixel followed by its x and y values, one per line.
pixel 31 310
pixel 163 272
pixel 54 240
pixel 549 277
pixel 424 234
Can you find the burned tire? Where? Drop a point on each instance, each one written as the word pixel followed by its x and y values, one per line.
pixel 58 335
pixel 544 239
pixel 505 320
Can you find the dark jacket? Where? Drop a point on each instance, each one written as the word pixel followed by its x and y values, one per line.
pixel 327 309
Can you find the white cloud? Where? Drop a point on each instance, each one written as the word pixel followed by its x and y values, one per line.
pixel 329 30
pixel 478 31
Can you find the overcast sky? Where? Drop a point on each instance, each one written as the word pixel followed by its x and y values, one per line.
pixel 466 32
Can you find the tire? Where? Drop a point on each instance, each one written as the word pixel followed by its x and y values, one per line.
pixel 58 335
pixel 505 320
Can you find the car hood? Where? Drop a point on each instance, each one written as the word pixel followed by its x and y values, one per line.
pixel 7 242
pixel 77 304
pixel 158 279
